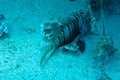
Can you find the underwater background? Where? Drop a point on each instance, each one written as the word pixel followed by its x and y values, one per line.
pixel 21 41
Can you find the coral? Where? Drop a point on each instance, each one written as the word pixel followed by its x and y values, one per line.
pixel 93 20
pixel 105 47
pixel 109 7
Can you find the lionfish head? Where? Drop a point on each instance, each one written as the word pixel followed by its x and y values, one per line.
pixel 50 30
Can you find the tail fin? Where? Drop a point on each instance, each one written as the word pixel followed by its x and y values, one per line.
pixel 47 51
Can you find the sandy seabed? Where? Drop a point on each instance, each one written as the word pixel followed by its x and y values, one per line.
pixel 20 49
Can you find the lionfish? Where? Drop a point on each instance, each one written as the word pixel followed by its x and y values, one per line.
pixel 64 32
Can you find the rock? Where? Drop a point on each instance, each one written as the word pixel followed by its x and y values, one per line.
pixel 3 27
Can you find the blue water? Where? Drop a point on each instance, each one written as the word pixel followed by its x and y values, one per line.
pixel 21 46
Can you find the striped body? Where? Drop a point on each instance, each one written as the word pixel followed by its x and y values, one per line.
pixel 70 28
pixel 65 31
